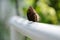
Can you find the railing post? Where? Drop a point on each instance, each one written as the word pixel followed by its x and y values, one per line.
pixel 13 33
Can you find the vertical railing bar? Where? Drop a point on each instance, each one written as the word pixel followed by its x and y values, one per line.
pixel 17 7
pixel 12 33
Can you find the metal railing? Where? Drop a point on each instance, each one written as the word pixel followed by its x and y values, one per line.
pixel 33 30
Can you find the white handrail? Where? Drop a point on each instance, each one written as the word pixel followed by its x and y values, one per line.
pixel 34 30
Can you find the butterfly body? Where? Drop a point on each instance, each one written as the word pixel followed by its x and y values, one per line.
pixel 32 15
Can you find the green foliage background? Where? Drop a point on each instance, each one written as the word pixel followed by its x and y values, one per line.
pixel 49 10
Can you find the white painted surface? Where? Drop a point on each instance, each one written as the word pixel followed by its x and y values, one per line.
pixel 34 30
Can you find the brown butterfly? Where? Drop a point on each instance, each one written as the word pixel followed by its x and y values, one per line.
pixel 32 15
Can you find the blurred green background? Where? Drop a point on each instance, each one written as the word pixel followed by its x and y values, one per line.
pixel 49 10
